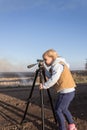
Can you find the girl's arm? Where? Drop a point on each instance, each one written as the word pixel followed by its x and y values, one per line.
pixel 56 73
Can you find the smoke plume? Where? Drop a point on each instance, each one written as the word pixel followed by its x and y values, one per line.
pixel 7 66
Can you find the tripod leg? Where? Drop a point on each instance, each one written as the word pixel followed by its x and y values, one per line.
pixel 42 107
pixel 42 100
pixel 50 98
pixel 29 98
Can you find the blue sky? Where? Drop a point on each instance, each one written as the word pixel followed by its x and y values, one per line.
pixel 28 28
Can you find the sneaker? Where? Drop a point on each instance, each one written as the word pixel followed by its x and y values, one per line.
pixel 72 127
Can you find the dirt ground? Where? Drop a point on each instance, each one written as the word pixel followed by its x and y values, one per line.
pixel 13 103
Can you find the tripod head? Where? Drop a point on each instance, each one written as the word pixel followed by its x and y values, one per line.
pixel 40 63
pixel 40 71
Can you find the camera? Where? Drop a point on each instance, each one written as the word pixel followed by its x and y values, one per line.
pixel 40 64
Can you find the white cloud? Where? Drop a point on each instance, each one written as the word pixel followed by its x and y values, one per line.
pixel 12 5
pixel 20 4
pixel 67 4
pixel 73 4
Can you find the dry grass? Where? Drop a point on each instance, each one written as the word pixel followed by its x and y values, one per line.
pixel 80 76
pixel 25 79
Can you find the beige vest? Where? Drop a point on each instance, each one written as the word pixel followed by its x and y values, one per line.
pixel 66 80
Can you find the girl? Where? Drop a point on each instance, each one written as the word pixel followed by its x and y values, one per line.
pixel 60 77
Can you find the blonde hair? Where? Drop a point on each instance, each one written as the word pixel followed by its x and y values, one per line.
pixel 50 53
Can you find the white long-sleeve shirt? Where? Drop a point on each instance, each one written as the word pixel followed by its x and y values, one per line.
pixel 57 70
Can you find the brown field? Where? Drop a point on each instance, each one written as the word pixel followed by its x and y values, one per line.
pixel 14 91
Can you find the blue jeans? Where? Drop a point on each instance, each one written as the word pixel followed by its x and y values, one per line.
pixel 61 109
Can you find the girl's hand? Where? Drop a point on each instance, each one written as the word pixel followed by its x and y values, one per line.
pixel 41 86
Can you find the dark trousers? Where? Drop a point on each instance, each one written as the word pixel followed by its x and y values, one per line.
pixel 61 109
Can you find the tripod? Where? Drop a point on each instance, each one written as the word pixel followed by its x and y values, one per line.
pixel 41 73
